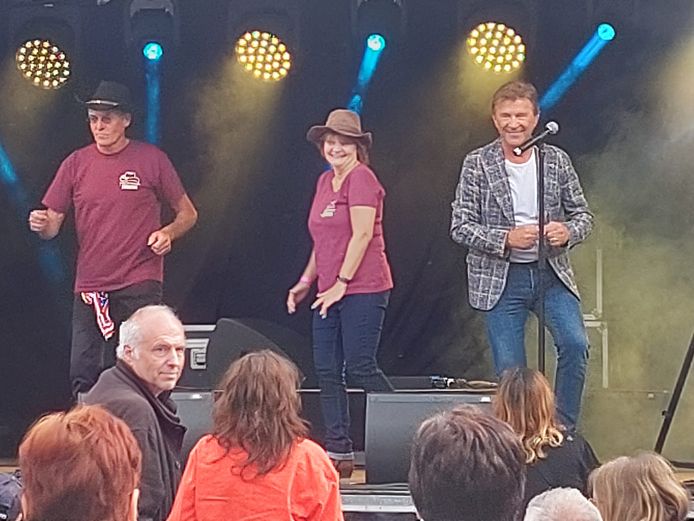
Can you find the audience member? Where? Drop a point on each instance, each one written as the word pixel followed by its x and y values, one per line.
pixel 258 464
pixel 81 465
pixel 561 504
pixel 150 360
pixel 555 457
pixel 639 488
pixel 467 465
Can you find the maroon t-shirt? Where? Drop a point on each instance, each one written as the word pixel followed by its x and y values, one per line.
pixel 117 200
pixel 331 229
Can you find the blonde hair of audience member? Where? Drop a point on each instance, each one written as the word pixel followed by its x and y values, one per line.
pixel 561 504
pixel 80 465
pixel 525 401
pixel 258 411
pixel 638 488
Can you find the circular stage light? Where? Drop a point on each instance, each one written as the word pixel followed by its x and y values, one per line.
pixel 376 42
pixel 496 47
pixel 152 51
pixel 42 63
pixel 606 32
pixel 264 55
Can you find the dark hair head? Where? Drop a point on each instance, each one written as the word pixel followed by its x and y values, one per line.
pixel 258 410
pixel 80 465
pixel 467 464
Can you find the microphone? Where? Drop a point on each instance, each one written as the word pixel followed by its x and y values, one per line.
pixel 551 128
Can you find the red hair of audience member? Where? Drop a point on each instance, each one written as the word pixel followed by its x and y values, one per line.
pixel 638 488
pixel 258 410
pixel 80 465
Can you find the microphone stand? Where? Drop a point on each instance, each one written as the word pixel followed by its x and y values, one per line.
pixel 541 257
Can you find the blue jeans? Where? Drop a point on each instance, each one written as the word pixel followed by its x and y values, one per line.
pixel 344 350
pixel 506 330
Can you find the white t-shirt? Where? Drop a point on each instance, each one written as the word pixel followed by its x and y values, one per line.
pixel 522 178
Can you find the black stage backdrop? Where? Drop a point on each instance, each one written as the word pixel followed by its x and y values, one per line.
pixel 243 156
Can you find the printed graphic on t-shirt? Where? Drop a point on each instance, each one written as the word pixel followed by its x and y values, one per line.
pixel 329 210
pixel 129 181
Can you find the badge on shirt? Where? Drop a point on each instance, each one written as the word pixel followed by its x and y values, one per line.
pixel 329 210
pixel 129 181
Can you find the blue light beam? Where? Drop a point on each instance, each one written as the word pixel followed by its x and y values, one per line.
pixel 603 35
pixel 49 256
pixel 375 45
pixel 153 53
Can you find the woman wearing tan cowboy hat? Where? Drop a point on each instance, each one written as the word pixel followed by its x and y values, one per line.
pixel 354 280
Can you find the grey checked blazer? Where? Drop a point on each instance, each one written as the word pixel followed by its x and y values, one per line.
pixel 483 215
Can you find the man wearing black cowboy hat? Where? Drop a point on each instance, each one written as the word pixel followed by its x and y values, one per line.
pixel 117 187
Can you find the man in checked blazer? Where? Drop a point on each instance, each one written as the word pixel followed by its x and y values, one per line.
pixel 495 214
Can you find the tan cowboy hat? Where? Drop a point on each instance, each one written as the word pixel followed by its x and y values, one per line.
pixel 340 121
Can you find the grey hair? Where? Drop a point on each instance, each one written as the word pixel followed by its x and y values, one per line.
pixel 130 331
pixel 561 504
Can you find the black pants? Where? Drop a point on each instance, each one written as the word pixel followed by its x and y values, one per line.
pixel 90 353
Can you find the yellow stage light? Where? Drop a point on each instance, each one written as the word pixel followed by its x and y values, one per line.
pixel 43 63
pixel 264 55
pixel 496 47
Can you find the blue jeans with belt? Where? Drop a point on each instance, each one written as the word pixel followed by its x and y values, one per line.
pixel 564 320
pixel 345 344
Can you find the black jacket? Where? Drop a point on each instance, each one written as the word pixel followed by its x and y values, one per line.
pixel 156 427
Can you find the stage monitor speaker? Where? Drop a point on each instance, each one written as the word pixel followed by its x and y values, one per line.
pixel 230 341
pixel 391 422
pixel 210 350
pixel 195 412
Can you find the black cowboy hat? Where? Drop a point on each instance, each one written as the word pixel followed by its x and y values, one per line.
pixel 110 95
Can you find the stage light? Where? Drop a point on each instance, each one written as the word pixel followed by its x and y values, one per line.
pixel 152 51
pixel 45 40
pixel 264 55
pixel 603 35
pixel 151 26
pixel 496 47
pixel 377 21
pixel 606 32
pixel 373 48
pixel 376 42
pixel 43 64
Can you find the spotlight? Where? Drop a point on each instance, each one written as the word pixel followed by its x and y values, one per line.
pixel 152 51
pixel 377 21
pixel 151 26
pixel 45 42
pixel 265 36
pixel 376 42
pixel 496 47
pixel 263 55
pixel 42 63
pixel 603 35
pixel 606 32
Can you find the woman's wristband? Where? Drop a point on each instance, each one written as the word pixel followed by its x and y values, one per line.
pixel 344 280
pixel 306 280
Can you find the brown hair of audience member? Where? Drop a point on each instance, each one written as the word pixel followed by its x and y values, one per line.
pixel 467 464
pixel 638 488
pixel 258 410
pixel 514 90
pixel 525 401
pixel 80 465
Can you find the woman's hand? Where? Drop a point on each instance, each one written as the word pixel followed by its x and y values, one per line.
pixel 328 297
pixel 296 294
